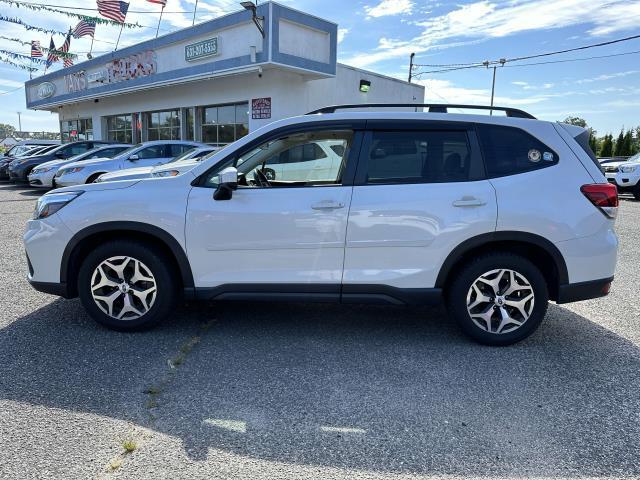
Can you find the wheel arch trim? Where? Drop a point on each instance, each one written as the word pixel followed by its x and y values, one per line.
pixel 503 236
pixel 160 234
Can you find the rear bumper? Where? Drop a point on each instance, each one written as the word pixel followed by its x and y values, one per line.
pixel 576 292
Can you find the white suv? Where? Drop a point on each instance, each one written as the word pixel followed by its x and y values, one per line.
pixel 494 215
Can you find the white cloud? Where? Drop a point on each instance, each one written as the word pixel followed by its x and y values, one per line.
pixel 486 19
pixel 10 83
pixel 390 7
pixel 342 32
pixel 607 76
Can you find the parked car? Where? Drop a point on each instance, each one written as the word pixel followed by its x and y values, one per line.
pixel 148 154
pixel 20 168
pixel 493 215
pixel 42 176
pixel 176 166
pixel 24 146
pixel 627 177
pixel 29 152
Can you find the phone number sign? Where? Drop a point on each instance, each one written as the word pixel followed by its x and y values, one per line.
pixel 261 108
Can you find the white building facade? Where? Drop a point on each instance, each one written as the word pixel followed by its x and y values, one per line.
pixel 213 82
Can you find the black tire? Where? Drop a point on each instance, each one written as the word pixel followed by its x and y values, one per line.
pixel 636 191
pixel 460 288
pixel 154 260
pixel 93 177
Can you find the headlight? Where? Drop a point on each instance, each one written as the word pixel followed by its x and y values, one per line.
pixel 42 170
pixel 166 173
pixel 69 170
pixel 628 168
pixel 50 203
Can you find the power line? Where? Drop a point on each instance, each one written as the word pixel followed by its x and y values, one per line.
pixel 532 64
pixel 527 57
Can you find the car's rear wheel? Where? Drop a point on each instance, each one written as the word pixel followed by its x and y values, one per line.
pixel 127 285
pixel 636 191
pixel 498 299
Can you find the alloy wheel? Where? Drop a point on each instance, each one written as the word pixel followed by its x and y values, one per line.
pixel 123 288
pixel 500 301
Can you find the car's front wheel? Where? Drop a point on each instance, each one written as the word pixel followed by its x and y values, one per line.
pixel 127 285
pixel 498 299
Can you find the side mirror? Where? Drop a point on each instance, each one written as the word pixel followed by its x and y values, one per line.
pixel 227 183
pixel 134 157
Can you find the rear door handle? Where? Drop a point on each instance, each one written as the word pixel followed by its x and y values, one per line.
pixel 327 205
pixel 468 201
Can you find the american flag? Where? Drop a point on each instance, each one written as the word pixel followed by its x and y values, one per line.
pixel 66 59
pixel 84 27
pixel 36 50
pixel 113 9
pixel 159 2
pixel 52 56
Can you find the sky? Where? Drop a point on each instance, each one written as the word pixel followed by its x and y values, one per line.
pixel 379 35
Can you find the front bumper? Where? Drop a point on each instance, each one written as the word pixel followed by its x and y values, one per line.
pixel 627 180
pixel 52 288
pixel 69 180
pixel 18 174
pixel 42 179
pixel 576 292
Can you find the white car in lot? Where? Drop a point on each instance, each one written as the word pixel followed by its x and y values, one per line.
pixel 43 175
pixel 494 216
pixel 148 154
pixel 176 166
pixel 627 178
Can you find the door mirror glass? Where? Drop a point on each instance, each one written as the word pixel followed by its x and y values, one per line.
pixel 134 157
pixel 227 183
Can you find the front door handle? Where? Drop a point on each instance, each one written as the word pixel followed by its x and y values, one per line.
pixel 327 205
pixel 468 201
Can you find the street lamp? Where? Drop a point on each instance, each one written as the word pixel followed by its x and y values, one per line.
pixel 253 9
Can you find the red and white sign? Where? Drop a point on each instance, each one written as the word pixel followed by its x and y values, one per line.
pixel 261 108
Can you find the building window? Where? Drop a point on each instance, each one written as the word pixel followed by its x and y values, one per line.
pixel 224 124
pixel 163 125
pixel 190 125
pixel 119 128
pixel 74 130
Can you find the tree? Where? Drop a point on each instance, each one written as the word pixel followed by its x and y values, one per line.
pixel 6 130
pixel 606 150
pixel 619 146
pixel 577 121
pixel 627 144
pixel 593 142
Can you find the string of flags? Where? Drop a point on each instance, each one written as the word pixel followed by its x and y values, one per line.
pixel 114 12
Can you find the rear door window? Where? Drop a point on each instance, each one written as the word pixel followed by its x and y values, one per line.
pixel 509 150
pixel 420 157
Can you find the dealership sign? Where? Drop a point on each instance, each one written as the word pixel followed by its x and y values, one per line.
pixel 205 48
pixel 46 90
pixel 261 108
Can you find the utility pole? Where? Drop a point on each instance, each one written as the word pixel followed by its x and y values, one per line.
pixel 19 122
pixel 411 66
pixel 502 61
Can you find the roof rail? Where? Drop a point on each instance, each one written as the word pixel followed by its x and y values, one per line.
pixel 433 108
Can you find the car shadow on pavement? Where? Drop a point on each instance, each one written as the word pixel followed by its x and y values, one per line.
pixel 359 387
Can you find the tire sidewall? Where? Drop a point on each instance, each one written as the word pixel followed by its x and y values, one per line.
pixel 154 260
pixel 457 297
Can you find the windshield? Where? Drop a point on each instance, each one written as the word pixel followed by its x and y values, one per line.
pixel 185 156
pixel 635 158
pixel 130 149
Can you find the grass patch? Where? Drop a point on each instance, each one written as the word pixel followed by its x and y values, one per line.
pixel 129 445
pixel 115 464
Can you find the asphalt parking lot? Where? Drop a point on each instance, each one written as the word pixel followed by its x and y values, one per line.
pixel 265 391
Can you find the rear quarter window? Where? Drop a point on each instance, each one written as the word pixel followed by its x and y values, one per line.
pixel 510 150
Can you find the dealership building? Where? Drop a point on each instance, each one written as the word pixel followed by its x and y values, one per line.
pixel 213 82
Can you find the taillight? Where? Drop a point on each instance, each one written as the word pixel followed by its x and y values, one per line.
pixel 604 196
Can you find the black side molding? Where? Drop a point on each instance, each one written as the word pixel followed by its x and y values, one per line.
pixel 576 292
pixel 322 293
